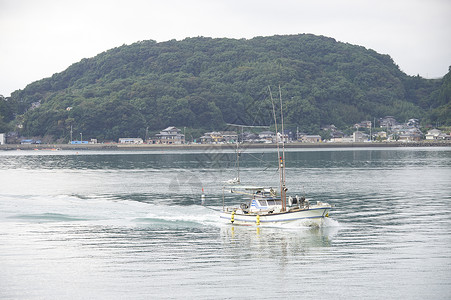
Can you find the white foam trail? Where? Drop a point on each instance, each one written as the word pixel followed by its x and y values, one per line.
pixel 193 213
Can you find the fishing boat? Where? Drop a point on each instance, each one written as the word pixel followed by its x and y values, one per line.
pixel 266 206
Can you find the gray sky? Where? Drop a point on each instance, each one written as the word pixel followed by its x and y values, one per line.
pixel 41 37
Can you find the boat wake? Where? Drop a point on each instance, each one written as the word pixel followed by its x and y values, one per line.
pixel 195 215
pixel 123 211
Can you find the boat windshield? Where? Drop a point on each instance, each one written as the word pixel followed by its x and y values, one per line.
pixel 266 203
pixel 263 194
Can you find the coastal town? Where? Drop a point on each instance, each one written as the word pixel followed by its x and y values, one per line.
pixel 387 130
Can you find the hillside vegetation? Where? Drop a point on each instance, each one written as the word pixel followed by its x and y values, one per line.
pixel 204 83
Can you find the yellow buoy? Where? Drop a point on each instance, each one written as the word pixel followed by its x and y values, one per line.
pixel 258 220
pixel 232 218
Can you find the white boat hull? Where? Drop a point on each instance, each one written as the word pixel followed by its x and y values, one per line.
pixel 314 215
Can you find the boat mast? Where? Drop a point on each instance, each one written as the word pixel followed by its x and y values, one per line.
pixel 283 189
pixel 279 158
pixel 238 161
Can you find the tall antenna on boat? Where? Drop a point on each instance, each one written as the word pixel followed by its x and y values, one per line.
pixel 280 158
pixel 238 179
pixel 283 193
pixel 275 121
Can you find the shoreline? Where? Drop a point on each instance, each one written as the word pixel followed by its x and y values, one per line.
pixel 11 147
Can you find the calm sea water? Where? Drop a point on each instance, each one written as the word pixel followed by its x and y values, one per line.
pixel 130 225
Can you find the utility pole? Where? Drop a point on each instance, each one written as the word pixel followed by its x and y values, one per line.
pixel 371 135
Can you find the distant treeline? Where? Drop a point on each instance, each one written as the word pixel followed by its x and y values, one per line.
pixel 204 83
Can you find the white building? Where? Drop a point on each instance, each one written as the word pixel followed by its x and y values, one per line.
pixel 230 136
pixel 130 141
pixel 219 137
pixel 267 136
pixel 437 134
pixel 311 138
pixel 2 138
pixel 433 134
pixel 308 138
pixel 170 135
pixel 359 137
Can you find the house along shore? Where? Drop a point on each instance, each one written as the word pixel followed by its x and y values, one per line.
pixel 209 147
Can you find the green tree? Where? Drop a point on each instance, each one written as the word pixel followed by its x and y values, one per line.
pixel 203 83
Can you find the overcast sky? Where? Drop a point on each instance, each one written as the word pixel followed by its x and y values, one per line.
pixel 41 37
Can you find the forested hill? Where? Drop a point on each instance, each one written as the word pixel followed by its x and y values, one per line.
pixel 205 83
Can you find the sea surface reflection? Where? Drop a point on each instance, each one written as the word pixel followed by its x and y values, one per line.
pixel 131 225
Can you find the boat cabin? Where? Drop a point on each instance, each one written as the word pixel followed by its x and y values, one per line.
pixel 263 200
